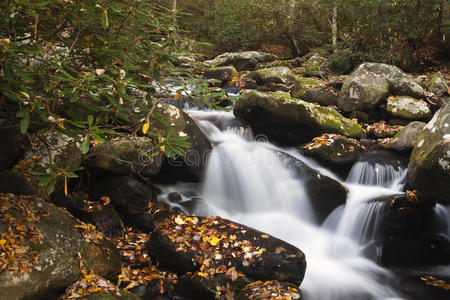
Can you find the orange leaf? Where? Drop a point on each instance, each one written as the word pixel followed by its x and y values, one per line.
pixel 65 185
pixel 146 126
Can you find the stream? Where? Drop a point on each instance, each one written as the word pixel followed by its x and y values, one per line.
pixel 247 182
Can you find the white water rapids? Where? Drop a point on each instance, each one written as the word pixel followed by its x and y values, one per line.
pixel 247 182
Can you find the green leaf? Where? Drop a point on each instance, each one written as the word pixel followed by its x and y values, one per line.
pixel 85 146
pixel 105 18
pixel 90 120
pixel 37 172
pixel 43 181
pixel 51 187
pixel 7 71
pixel 25 122
pixel 44 131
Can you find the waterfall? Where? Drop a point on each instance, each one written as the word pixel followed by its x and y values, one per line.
pixel 247 182
pixel 375 174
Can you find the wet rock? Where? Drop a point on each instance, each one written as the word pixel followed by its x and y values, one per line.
pixel 55 242
pixel 256 254
pixel 407 216
pixel 408 108
pixel 333 149
pixel 408 253
pixel 381 130
pixel 246 60
pixel 407 138
pixel 15 183
pixel 131 198
pixel 291 121
pixel 174 197
pixel 224 74
pixel 110 296
pixel 362 91
pixel 125 156
pixel 314 91
pixel 13 144
pixel 325 193
pixel 273 87
pixel 429 166
pixel 276 75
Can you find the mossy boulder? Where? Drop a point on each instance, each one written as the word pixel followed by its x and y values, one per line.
pixel 405 107
pixel 277 75
pixel 246 60
pixel 125 156
pixel 314 91
pixel 313 66
pixel 429 166
pixel 49 255
pixel 191 244
pixel 291 121
pixel 362 91
pixel 225 73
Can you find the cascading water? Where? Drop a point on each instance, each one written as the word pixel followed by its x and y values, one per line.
pixel 248 183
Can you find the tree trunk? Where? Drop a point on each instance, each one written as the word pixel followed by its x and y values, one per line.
pixel 174 14
pixel 334 26
pixel 295 51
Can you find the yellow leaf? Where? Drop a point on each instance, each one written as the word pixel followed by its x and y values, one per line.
pixel 163 148
pixel 2 242
pixel 65 185
pixel 177 96
pixel 214 240
pixel 146 126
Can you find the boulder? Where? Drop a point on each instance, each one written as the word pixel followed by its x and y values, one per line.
pixel 130 197
pixel 334 149
pixel 194 161
pixel 437 85
pixel 125 156
pixel 429 166
pixel 363 91
pixel 325 193
pixel 48 258
pixel 409 108
pixel 189 244
pixel 406 139
pixel 277 75
pixel 314 91
pixel 13 144
pixel 291 121
pixel 313 66
pixel 400 83
pixel 246 60
pixel 225 73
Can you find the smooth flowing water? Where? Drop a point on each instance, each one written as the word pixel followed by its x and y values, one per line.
pixel 247 182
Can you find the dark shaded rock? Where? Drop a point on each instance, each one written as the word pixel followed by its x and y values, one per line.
pixel 125 156
pixel 315 91
pixel 224 74
pixel 15 183
pixel 109 296
pixel 437 85
pixel 131 198
pixel 100 214
pixel 218 286
pixel 361 116
pixel 381 130
pixel 291 121
pixel 314 65
pixel 325 193
pixel 174 197
pixel 57 254
pixel 257 255
pixel 429 166
pixel 12 145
